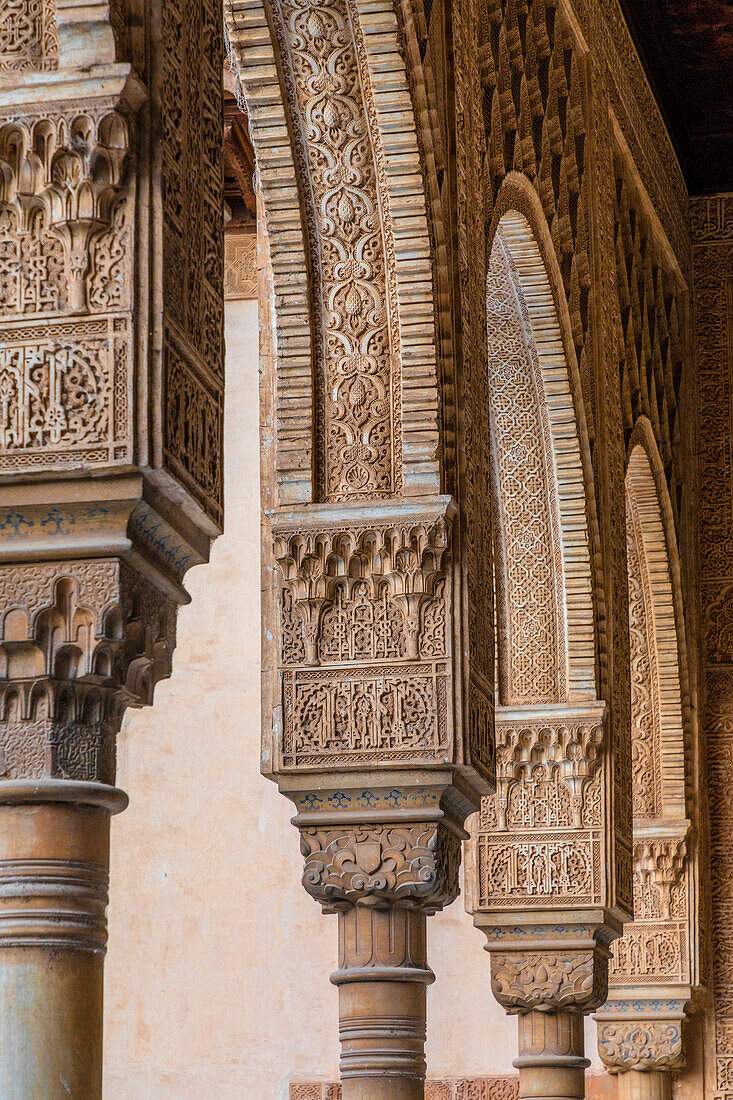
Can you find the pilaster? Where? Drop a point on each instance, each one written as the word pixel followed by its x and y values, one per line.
pixel 111 375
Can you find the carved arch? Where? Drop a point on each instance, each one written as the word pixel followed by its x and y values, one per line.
pixel 539 481
pixel 254 56
pixel 354 313
pixel 655 593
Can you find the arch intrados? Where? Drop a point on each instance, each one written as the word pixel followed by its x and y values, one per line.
pixel 535 291
pixel 653 520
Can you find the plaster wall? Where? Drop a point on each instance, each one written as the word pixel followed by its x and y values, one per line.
pixel 217 972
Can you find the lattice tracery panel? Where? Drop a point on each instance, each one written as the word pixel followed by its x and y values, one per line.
pixel 529 569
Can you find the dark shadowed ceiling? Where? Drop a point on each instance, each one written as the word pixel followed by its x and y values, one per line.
pixel 687 48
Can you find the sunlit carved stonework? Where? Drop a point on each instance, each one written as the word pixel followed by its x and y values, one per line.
pixel 497 577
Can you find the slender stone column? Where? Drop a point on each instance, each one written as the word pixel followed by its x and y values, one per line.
pixel 377 643
pixel 551 1062
pixel 652 1085
pixel 382 980
pixel 54 871
pixel 383 878
pixel 550 977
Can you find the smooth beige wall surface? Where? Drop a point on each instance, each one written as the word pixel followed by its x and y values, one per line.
pixel 217 973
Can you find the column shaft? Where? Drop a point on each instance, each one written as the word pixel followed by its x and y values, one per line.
pixel 551 1063
pixel 382 983
pixel 54 867
pixel 645 1085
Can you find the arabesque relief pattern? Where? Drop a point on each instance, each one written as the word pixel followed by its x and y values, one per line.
pixel 371 607
pixel 64 382
pixel 352 260
pixel 28 36
pixel 463 1088
pixel 712 232
pixel 193 247
pixel 365 651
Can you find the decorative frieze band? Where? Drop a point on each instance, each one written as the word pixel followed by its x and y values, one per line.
pixel 460 1088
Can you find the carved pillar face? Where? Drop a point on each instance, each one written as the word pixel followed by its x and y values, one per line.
pixel 111 376
pixel 372 714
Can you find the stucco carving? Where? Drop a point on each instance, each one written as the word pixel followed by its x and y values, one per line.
pixel 712 230
pixel 641 1046
pixel 80 642
pixel 526 981
pixel 458 1088
pixel 364 644
pixel 410 864
pixel 28 36
pixel 358 391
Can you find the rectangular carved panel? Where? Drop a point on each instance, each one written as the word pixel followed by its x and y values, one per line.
pixel 193 248
pixel 64 394
pixel 365 715
pixel 365 649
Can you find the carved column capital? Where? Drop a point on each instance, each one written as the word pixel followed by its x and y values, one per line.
pixel 528 981
pixel 415 865
pixel 641 1045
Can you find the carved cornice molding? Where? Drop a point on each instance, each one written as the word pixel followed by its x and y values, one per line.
pixel 415 865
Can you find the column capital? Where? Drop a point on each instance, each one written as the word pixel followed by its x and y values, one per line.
pixel 411 864
pixel 551 969
pixel 641 1044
